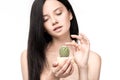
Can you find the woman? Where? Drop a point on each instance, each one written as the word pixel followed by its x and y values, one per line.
pixel 52 25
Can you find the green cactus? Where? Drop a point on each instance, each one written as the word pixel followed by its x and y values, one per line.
pixel 64 51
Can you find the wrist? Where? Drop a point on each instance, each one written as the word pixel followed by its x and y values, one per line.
pixel 83 73
pixel 83 69
pixel 83 66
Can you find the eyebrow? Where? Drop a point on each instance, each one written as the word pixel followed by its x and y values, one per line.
pixel 57 9
pixel 53 11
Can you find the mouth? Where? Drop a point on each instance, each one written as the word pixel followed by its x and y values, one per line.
pixel 57 28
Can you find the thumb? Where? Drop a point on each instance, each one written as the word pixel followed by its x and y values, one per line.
pixel 55 64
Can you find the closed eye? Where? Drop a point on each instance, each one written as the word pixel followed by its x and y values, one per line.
pixel 45 18
pixel 59 13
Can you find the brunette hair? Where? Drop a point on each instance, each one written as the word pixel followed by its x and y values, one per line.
pixel 38 39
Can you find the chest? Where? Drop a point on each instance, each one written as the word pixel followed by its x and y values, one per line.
pixel 53 57
pixel 73 76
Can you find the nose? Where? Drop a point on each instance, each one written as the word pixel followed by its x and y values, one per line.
pixel 54 21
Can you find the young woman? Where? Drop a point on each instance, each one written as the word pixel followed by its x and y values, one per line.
pixel 52 25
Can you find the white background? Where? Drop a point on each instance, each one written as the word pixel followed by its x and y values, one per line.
pixel 98 19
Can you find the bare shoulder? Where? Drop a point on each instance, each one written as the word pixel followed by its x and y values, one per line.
pixel 24 66
pixel 94 66
pixel 23 56
pixel 24 59
pixel 94 57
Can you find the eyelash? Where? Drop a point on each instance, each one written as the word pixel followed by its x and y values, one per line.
pixel 59 13
pixel 56 14
pixel 45 20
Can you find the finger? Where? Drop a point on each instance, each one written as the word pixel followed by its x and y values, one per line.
pixel 73 43
pixel 84 38
pixel 55 64
pixel 72 69
pixel 61 62
pixel 64 68
pixel 81 37
pixel 77 37
pixel 69 70
pixel 54 67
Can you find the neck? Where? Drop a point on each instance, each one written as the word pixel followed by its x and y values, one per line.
pixel 61 40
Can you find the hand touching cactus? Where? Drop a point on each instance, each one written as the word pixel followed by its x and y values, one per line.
pixel 64 51
pixel 63 66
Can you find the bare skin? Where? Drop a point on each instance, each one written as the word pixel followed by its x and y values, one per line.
pixel 94 64
pixel 75 70
pixel 82 64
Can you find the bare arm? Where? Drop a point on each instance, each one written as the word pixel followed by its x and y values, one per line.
pixel 44 76
pixel 24 67
pixel 94 66
pixel 92 71
pixel 89 62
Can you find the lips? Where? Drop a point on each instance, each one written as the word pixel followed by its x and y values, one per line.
pixel 57 28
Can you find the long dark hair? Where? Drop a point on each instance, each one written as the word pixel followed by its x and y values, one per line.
pixel 38 39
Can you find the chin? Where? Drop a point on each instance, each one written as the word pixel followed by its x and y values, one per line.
pixel 61 34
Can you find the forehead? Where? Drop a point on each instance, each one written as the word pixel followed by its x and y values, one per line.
pixel 51 5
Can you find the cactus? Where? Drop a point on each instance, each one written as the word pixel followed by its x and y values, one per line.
pixel 64 51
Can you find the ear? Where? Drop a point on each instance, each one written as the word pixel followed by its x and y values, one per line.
pixel 70 14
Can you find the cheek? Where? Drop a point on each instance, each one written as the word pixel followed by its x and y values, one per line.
pixel 47 28
pixel 65 18
pixel 47 25
pixel 65 21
